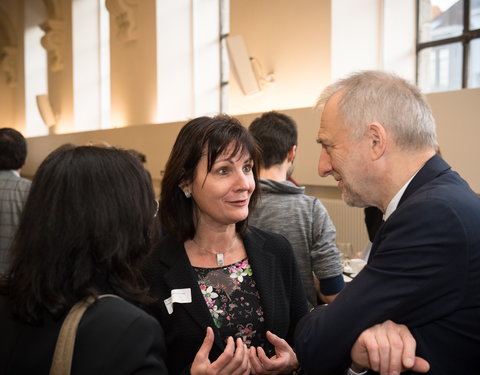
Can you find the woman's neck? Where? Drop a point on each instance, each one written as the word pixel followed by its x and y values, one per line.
pixel 214 248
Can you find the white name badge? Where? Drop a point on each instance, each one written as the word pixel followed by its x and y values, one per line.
pixel 178 296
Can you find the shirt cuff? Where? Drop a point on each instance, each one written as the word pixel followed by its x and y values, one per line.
pixel 332 285
pixel 351 372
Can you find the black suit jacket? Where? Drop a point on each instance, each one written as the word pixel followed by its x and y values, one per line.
pixel 114 337
pixel 423 271
pixel 276 276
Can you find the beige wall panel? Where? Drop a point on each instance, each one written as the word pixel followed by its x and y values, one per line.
pixel 292 39
pixel 457 114
pixel 133 69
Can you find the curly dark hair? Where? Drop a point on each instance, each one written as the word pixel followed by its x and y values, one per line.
pixel 87 222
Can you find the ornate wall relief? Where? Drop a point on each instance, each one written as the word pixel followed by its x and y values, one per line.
pixel 8 58
pixel 52 41
pixel 123 13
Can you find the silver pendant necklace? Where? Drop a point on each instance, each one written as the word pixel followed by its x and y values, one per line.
pixel 219 256
pixel 220 261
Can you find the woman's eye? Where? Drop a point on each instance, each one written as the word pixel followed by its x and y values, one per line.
pixel 247 168
pixel 222 171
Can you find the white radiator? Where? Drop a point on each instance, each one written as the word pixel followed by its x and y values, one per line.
pixel 350 225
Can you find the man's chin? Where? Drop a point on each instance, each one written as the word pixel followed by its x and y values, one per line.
pixel 350 201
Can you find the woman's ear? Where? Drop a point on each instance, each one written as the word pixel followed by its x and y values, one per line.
pixel 186 188
pixel 378 140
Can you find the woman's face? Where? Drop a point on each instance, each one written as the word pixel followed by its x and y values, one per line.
pixel 222 195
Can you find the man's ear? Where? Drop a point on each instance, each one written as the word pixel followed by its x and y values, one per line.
pixel 291 154
pixel 378 139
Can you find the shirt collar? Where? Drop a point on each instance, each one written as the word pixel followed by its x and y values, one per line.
pixel 392 206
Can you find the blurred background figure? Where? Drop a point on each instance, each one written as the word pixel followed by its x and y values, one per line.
pixel 13 188
pixel 212 269
pixel 86 226
pixel 284 208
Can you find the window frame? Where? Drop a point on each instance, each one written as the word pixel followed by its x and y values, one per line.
pixel 465 38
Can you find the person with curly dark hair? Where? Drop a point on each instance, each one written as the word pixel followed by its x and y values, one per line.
pixel 86 226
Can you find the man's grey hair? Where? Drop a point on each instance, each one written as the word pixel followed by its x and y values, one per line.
pixel 385 98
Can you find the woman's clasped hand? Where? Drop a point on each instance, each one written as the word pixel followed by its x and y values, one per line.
pixel 238 359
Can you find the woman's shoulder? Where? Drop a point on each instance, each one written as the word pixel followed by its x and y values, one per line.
pixel 107 333
pixel 261 234
pixel 117 311
pixel 268 241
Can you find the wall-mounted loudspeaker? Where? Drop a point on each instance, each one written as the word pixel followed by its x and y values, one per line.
pixel 241 64
pixel 45 110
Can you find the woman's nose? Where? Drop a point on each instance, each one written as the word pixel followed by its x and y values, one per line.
pixel 245 181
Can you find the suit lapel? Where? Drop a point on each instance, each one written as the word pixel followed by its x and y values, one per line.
pixel 263 265
pixel 432 168
pixel 180 275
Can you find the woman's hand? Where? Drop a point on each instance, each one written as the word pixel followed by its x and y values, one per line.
pixel 284 360
pixel 233 361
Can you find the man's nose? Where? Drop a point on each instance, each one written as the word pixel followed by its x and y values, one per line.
pixel 324 164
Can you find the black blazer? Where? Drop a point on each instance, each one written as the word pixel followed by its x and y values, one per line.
pixel 423 271
pixel 114 337
pixel 276 276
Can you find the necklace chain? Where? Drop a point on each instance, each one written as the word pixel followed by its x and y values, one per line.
pixel 216 253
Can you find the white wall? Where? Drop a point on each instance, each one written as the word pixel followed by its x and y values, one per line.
pixel 373 34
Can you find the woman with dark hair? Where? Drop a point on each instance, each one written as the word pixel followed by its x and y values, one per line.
pixel 212 272
pixel 85 228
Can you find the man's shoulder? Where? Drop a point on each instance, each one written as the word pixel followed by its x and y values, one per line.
pixel 450 189
pixel 9 180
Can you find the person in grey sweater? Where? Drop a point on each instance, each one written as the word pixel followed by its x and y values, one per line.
pixel 284 208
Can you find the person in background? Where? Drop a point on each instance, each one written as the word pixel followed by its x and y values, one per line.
pixel 13 189
pixel 212 269
pixel 379 142
pixel 85 228
pixel 284 208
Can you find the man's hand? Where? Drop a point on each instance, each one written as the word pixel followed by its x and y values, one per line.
pixel 387 348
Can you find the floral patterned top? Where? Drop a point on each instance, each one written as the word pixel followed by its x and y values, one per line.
pixel 234 302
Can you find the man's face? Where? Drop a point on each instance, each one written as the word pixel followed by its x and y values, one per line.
pixel 345 159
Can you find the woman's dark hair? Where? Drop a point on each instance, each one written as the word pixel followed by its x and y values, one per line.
pixel 203 135
pixel 87 222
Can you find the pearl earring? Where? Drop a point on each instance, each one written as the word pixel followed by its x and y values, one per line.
pixel 187 193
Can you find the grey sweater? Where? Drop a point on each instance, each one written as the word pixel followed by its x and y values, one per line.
pixel 284 208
